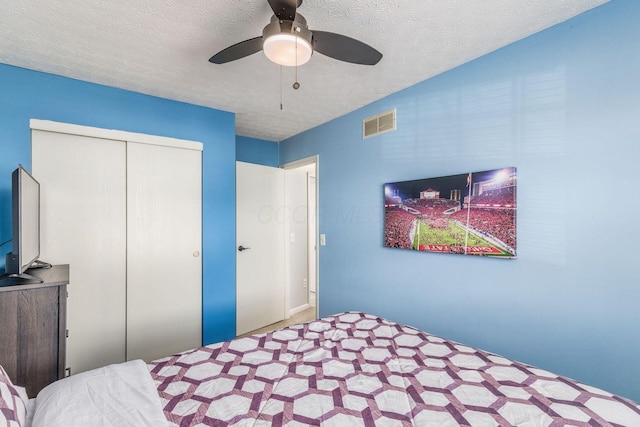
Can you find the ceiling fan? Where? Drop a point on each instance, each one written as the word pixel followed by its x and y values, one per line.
pixel 287 40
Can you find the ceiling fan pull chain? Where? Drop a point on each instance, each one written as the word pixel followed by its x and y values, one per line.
pixel 296 85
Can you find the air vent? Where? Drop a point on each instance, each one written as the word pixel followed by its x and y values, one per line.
pixel 382 123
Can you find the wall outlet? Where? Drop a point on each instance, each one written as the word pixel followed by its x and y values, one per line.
pixel 323 240
pixel 304 283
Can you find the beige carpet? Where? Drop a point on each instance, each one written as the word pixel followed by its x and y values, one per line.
pixel 304 316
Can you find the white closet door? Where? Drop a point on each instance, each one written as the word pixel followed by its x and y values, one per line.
pixel 164 226
pixel 83 223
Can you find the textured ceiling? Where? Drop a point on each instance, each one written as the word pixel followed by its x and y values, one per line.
pixel 162 47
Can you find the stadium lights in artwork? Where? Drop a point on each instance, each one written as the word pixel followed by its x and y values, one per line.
pixel 472 213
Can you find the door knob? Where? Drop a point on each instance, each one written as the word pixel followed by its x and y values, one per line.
pixel 242 248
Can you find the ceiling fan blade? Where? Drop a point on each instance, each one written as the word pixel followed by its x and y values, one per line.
pixel 345 48
pixel 237 51
pixel 284 9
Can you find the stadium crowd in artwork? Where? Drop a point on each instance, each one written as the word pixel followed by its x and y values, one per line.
pixel 471 214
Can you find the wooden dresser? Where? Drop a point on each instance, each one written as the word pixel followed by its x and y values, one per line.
pixel 33 320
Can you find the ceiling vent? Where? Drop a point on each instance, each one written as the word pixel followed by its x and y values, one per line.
pixel 382 123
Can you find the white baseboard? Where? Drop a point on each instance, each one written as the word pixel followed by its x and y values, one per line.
pixel 298 309
pixel 312 298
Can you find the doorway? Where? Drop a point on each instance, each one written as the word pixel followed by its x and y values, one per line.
pixel 301 254
pixel 277 275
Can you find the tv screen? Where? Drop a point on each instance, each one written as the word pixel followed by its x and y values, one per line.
pixel 28 218
pixel 25 222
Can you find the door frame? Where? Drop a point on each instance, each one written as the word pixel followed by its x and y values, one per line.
pixel 306 161
pixel 118 135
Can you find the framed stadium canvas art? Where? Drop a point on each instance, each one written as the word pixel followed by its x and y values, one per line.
pixel 470 214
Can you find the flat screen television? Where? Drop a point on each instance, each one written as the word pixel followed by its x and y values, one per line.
pixel 25 227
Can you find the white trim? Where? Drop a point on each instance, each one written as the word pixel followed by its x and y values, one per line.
pixel 287 252
pixel 296 310
pixel 302 162
pixel 118 135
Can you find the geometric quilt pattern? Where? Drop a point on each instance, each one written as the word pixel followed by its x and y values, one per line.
pixel 355 369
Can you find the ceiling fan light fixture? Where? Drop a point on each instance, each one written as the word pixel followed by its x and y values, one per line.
pixel 287 40
pixel 287 49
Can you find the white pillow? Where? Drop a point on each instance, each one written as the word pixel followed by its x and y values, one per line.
pixel 116 395
pixel 13 402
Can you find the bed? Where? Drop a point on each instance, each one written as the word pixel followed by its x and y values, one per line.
pixel 350 369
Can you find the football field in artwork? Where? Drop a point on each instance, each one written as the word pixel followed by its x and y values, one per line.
pixel 447 236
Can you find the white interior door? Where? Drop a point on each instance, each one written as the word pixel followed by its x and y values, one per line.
pixel 83 224
pixel 260 219
pixel 164 266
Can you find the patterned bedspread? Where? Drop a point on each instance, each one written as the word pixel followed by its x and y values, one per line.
pixel 356 369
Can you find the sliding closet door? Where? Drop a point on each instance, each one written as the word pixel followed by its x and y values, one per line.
pixel 164 268
pixel 83 223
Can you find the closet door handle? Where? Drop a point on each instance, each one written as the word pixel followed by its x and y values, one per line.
pixel 242 248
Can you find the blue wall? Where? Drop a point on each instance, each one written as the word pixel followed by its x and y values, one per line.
pixel 26 94
pixel 563 106
pixel 258 151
